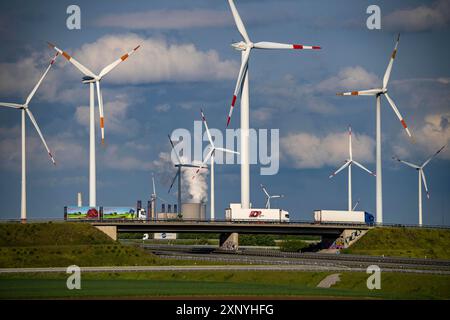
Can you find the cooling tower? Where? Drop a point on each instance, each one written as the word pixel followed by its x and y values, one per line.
pixel 193 211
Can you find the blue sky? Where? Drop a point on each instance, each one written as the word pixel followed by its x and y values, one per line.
pixel 186 62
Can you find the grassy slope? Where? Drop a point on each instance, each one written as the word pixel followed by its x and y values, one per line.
pixel 403 242
pixel 393 286
pixel 64 244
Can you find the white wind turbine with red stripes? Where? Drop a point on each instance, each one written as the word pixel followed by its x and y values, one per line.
pixel 378 92
pixel 91 79
pixel 421 177
pixel 26 110
pixel 211 154
pixel 348 164
pixel 242 85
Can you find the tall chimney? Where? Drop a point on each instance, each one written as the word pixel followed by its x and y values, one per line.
pixel 79 200
pixel 163 208
pixel 169 208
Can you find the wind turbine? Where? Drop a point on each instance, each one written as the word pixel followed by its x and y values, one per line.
pixel 268 196
pixel 421 177
pixel 242 85
pixel 153 198
pixel 91 79
pixel 348 163
pixel 378 93
pixel 211 154
pixel 179 165
pixel 25 109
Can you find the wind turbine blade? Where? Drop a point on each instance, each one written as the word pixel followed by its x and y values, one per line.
pixel 161 199
pixel 153 183
pixel 276 45
pixel 173 148
pixel 407 163
pixel 364 168
pixel 100 108
pixel 399 116
pixel 434 155
pixel 238 21
pixel 11 105
pixel 424 182
pixel 241 75
pixel 264 190
pixel 227 150
pixel 356 204
pixel 276 196
pixel 111 66
pixel 345 165
pixel 33 120
pixel 189 166
pixel 207 129
pixel 387 74
pixel 203 163
pixel 371 92
pixel 30 96
pixel 78 65
pixel 173 181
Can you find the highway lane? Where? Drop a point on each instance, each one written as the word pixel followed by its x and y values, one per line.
pixel 196 268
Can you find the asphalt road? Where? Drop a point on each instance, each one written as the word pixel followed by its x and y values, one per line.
pixel 193 268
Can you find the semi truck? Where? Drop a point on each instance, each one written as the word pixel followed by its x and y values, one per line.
pixel 340 216
pixel 236 213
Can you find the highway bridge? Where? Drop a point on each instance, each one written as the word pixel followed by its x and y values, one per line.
pixel 229 230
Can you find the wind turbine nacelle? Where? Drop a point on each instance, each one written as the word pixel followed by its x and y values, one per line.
pixel 241 45
pixel 88 79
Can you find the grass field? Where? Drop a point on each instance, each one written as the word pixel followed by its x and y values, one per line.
pixel 404 242
pixel 157 284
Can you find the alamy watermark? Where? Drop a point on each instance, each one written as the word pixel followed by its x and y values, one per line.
pixel 73 21
pixel 374 280
pixel 373 22
pixel 74 280
pixel 264 146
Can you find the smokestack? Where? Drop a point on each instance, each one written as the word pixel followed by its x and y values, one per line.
pixel 175 208
pixel 79 200
pixel 169 208
pixel 139 205
pixel 163 208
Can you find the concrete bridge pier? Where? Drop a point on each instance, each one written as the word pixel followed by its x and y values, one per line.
pixel 110 231
pixel 229 241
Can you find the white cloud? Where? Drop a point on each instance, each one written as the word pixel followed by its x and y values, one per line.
pixel 116 115
pixel 165 107
pixel 305 150
pixel 432 135
pixel 421 18
pixel 155 61
pixel 167 19
pixel 289 93
pixel 349 78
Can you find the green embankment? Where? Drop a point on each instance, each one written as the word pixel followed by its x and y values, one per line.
pixel 64 244
pixel 404 242
pixel 223 283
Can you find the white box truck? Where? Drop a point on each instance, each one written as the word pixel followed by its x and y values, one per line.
pixel 236 213
pixel 329 216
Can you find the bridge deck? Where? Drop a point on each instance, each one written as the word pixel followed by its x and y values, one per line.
pixel 230 227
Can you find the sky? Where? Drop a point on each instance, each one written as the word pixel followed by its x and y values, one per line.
pixel 186 62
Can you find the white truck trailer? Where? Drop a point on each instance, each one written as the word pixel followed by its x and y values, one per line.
pixel 236 213
pixel 329 216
